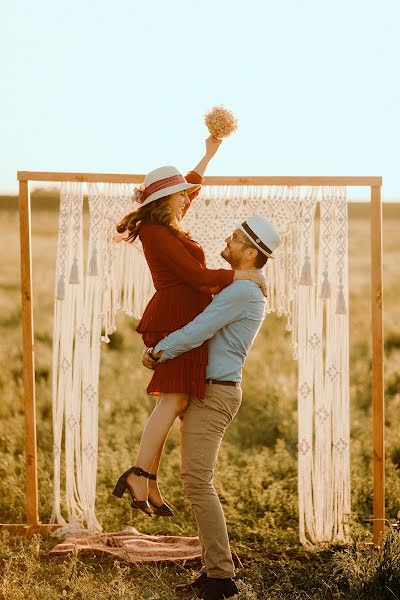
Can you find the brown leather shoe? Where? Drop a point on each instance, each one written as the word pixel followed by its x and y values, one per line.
pixel 218 588
pixel 195 586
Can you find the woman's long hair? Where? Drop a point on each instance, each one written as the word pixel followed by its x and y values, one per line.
pixel 157 211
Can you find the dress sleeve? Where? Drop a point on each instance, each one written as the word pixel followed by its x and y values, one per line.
pixel 192 177
pixel 173 254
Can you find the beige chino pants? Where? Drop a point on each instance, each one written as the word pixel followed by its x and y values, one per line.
pixel 202 428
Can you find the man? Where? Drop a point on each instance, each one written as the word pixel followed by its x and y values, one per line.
pixel 231 323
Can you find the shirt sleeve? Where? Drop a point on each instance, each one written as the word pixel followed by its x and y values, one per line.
pixel 228 306
pixel 174 255
pixel 192 177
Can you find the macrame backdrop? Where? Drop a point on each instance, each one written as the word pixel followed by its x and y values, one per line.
pixel 307 284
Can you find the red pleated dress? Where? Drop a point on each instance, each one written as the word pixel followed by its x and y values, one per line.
pixel 184 287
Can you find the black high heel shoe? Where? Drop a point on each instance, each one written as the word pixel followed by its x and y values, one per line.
pixel 122 485
pixel 160 511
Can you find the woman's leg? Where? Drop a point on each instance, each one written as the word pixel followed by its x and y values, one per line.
pixel 153 438
pixel 154 492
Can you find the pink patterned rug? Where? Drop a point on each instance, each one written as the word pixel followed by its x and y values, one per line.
pixel 132 546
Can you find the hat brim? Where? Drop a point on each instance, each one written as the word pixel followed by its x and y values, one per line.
pixel 239 225
pixel 179 187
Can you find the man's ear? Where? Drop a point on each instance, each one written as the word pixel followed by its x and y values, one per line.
pixel 252 253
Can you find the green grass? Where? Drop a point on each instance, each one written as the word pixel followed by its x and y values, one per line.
pixel 257 470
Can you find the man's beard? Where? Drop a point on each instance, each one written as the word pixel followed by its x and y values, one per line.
pixel 224 257
pixel 234 261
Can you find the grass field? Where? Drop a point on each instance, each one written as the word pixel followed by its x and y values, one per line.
pixel 257 470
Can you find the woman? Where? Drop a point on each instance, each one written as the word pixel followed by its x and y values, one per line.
pixel 184 287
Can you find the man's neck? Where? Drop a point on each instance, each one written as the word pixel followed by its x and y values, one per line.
pixel 245 267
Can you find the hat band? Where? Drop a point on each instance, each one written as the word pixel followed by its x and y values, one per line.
pixel 163 183
pixel 255 239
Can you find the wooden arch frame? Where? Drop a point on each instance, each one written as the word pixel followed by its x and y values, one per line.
pixel 374 183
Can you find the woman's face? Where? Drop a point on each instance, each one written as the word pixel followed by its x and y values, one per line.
pixel 177 202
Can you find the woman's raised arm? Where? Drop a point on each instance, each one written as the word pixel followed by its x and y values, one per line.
pixel 196 175
pixel 212 145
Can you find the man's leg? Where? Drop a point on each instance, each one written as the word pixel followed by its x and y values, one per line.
pixel 202 429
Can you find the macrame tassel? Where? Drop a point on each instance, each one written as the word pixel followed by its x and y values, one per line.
pixel 74 275
pixel 305 277
pixel 93 263
pixel 60 288
pixel 341 303
pixel 326 286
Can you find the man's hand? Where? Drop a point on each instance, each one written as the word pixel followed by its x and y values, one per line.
pixel 148 362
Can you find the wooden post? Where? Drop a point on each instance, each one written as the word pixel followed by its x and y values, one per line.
pixel 29 356
pixel 377 367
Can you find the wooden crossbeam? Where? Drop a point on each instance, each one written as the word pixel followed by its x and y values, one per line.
pixel 229 180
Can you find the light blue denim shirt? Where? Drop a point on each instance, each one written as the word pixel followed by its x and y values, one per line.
pixel 232 321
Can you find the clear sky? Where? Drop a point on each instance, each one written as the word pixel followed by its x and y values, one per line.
pixel 122 86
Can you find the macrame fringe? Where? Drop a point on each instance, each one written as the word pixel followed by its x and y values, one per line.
pixel 93 271
pixel 326 286
pixel 341 302
pixel 76 345
pixel 74 276
pixel 306 277
pixel 68 530
pixel 60 295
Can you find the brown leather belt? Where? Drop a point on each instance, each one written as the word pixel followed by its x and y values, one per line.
pixel 215 381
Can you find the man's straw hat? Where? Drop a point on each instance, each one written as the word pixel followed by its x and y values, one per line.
pixel 262 234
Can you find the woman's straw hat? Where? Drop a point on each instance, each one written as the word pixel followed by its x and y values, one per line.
pixel 162 182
